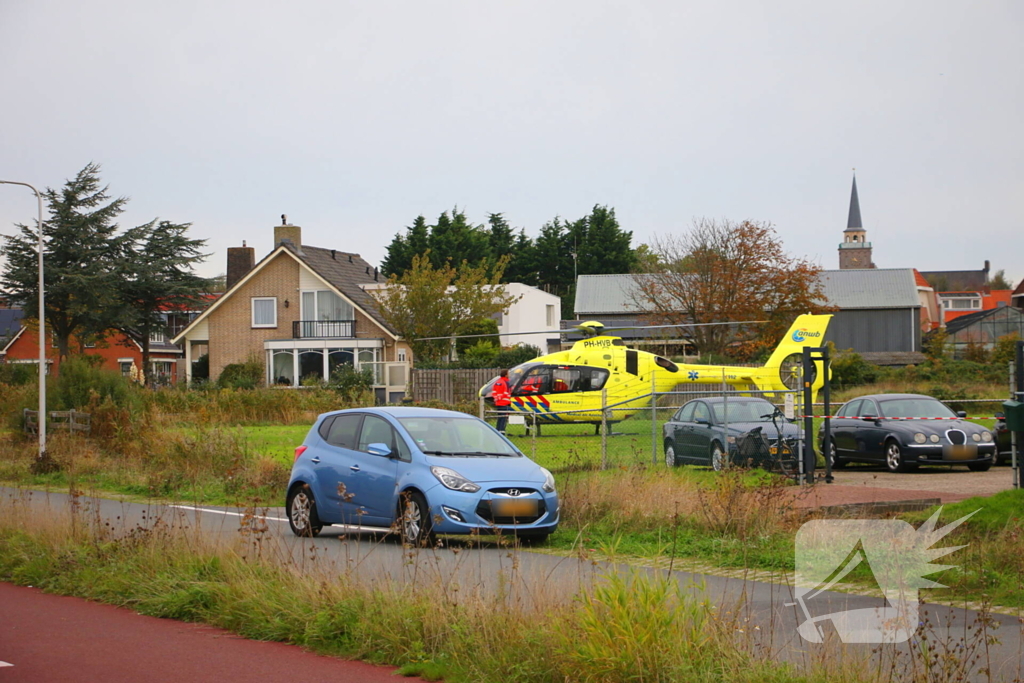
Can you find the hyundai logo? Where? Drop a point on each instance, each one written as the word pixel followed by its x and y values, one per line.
pixel 513 492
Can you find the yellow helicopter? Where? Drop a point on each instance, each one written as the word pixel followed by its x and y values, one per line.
pixel 565 387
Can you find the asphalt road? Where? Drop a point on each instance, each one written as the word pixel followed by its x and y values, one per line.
pixel 769 615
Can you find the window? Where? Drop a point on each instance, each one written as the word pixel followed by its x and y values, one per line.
pixel 342 431
pixel 264 311
pixel 376 430
pixel 850 409
pixel 157 337
pixel 550 315
pixel 401 355
pixel 701 412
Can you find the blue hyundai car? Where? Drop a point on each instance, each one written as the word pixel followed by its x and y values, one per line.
pixel 431 471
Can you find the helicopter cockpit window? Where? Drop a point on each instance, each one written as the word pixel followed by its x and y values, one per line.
pixel 536 381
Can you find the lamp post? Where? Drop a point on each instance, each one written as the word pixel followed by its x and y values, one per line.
pixel 42 327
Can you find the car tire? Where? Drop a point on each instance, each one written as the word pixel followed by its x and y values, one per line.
pixel 980 466
pixel 414 522
pixel 716 457
pixel 894 459
pixel 833 453
pixel 302 516
pixel 670 455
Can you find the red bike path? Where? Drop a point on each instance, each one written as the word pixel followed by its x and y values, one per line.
pixel 46 638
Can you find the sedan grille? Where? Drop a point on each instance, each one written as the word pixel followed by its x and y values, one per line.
pixel 956 437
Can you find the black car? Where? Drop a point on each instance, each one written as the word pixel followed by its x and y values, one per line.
pixel 697 433
pixel 887 429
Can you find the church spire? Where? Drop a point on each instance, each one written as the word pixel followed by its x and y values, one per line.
pixel 854 222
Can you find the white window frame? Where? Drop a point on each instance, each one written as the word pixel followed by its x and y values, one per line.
pixel 252 311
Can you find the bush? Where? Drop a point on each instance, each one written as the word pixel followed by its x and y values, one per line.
pixel 80 383
pixel 247 375
pixel 18 374
pixel 849 369
pixel 483 354
pixel 516 355
pixel 484 326
pixel 351 384
pixel 1005 351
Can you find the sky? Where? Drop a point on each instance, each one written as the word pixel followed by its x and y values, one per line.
pixel 354 117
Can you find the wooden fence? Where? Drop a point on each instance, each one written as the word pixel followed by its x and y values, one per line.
pixel 450 386
pixel 68 420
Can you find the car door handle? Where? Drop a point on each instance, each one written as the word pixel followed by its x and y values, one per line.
pixel 315 460
pixel 354 468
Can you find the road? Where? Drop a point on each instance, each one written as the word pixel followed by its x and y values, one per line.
pixel 523 578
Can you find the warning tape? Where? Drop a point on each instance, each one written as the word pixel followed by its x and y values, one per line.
pixel 858 417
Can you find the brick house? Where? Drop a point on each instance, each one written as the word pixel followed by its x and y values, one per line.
pixel 118 352
pixel 301 311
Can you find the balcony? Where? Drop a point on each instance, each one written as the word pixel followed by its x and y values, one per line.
pixel 323 329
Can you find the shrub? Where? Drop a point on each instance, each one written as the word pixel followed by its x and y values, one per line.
pixel 351 384
pixel 80 383
pixel 485 326
pixel 483 354
pixel 17 374
pixel 850 369
pixel 247 375
pixel 1005 350
pixel 516 355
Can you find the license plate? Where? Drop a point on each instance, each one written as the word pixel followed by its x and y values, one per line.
pixel 775 451
pixel 960 452
pixel 527 507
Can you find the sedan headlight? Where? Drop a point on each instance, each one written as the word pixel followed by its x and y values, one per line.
pixel 549 481
pixel 986 437
pixel 920 438
pixel 934 438
pixel 976 436
pixel 453 480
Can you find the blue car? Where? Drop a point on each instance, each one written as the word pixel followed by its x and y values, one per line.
pixel 431 471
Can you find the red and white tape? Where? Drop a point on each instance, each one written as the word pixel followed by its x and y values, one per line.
pixel 858 417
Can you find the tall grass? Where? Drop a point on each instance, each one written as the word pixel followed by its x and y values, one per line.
pixel 633 627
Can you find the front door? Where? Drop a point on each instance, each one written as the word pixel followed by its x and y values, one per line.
pixel 370 479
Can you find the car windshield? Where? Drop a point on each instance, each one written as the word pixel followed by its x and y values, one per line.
pixel 914 407
pixel 743 411
pixel 456 436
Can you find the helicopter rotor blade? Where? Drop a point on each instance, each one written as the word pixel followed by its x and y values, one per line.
pixel 576 330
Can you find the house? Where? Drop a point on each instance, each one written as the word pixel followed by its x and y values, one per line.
pixel 10 324
pixel 118 352
pixel 302 311
pixel 1017 296
pixel 984 328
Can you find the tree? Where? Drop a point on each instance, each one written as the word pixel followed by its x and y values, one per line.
pixel 156 276
pixel 722 271
pixel 80 255
pixel 429 301
pixel 999 281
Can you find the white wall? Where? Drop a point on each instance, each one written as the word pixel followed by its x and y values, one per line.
pixel 530 314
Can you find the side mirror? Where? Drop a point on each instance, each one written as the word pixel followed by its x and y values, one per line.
pixel 378 449
pixel 961 413
pixel 869 418
pixel 702 421
pixel 1000 416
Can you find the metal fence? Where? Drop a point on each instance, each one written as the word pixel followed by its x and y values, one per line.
pixel 630 433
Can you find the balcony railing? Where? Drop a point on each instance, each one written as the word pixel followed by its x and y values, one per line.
pixel 323 329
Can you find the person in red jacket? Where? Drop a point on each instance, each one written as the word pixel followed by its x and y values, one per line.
pixel 502 400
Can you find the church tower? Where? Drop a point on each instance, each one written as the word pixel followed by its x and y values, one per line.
pixel 855 251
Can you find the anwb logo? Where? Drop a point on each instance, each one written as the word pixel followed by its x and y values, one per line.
pixel 802 335
pixel 897 555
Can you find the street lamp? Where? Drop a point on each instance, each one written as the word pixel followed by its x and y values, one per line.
pixel 42 328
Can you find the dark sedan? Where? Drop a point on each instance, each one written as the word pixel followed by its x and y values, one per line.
pixel 701 429
pixel 888 429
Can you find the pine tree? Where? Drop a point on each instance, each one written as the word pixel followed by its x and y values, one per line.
pixel 80 257
pixel 156 277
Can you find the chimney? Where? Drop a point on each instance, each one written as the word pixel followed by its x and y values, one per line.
pixel 286 232
pixel 240 261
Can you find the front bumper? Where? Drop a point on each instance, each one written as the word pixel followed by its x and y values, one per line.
pixel 493 510
pixel 945 454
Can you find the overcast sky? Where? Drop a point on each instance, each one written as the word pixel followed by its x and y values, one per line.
pixel 355 117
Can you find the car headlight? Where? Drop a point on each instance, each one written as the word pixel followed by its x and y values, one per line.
pixel 920 438
pixel 986 436
pixel 549 481
pixel 934 438
pixel 976 436
pixel 730 439
pixel 453 480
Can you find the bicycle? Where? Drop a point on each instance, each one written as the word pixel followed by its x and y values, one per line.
pixel 778 455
